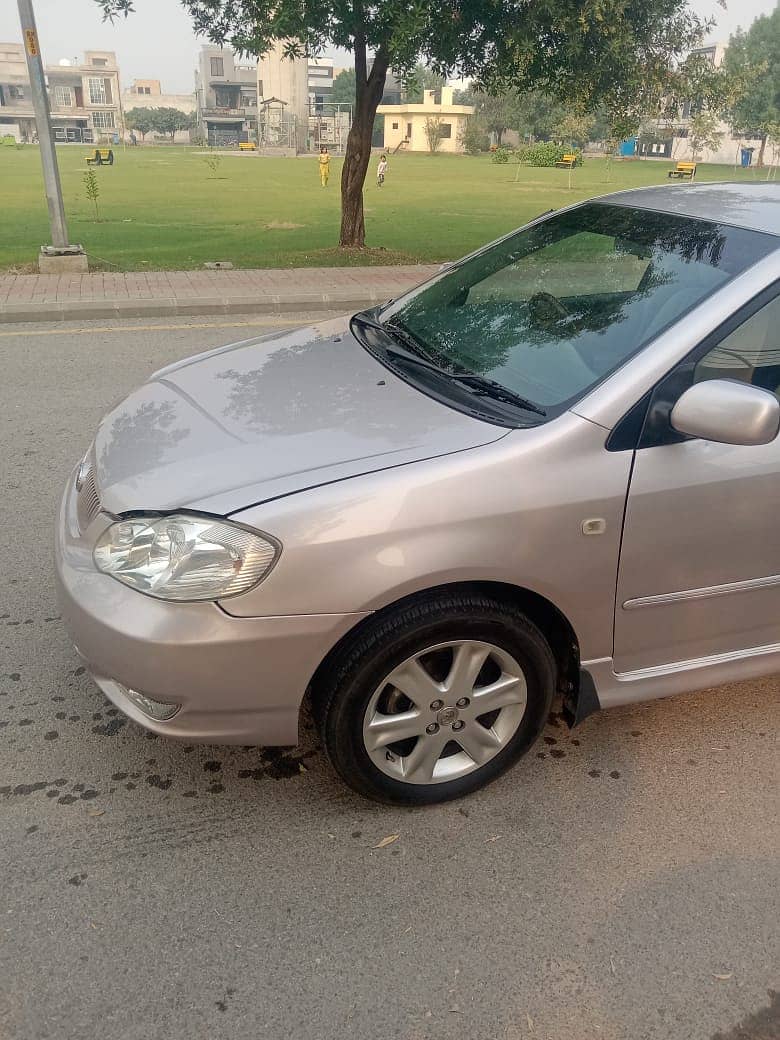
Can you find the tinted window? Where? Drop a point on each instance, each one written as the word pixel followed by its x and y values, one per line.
pixel 750 353
pixel 552 310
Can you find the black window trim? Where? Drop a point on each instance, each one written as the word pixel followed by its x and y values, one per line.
pixel 647 424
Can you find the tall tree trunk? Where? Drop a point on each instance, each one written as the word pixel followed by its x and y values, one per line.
pixel 760 161
pixel 368 94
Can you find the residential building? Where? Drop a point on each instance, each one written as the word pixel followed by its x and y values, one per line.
pixel 84 98
pixel 406 124
pixel 226 97
pixel 147 93
pixel 143 87
pixel 669 138
pixel 321 76
pixel 283 100
pixel 16 114
pixel 394 89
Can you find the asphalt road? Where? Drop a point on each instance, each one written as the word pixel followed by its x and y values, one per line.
pixel 620 884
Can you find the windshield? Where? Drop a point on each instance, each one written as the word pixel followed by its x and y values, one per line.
pixel 552 310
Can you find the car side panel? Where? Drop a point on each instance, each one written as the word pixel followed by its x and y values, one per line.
pixel 509 512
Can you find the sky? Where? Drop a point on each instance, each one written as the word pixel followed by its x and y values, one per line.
pixel 157 41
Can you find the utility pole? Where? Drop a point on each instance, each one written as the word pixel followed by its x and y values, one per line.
pixel 60 255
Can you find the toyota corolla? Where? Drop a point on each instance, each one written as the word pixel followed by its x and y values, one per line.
pixel 551 470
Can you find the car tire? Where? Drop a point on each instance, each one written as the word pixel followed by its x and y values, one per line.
pixel 383 676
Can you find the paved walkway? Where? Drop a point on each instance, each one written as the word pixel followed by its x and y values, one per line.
pixel 38 297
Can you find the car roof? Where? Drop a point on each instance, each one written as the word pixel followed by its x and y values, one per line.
pixel 753 206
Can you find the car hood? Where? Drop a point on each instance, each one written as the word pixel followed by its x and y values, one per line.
pixel 265 418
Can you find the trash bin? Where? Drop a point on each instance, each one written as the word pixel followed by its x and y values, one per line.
pixel 115 139
pixel 746 156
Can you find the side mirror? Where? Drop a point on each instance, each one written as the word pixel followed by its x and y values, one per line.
pixel 728 412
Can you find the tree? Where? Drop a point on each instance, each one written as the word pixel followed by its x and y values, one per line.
pixel 343 91
pixel 608 49
pixel 140 119
pixel 703 133
pixel 420 79
pixel 573 129
pixel 753 59
pixel 92 190
pixel 773 139
pixel 474 136
pixel 538 115
pixel 169 120
pixel 433 133
pixel 496 112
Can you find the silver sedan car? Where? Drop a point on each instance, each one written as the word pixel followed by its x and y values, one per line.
pixel 551 470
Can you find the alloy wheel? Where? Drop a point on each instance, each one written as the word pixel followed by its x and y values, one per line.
pixel 445 712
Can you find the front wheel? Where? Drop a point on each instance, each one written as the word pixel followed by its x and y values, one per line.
pixel 437 699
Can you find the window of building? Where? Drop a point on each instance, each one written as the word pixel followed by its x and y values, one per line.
pixel 97 92
pixel 446 131
pixel 395 126
pixel 248 99
pixel 63 96
pixel 217 67
pixel 103 120
pixel 224 98
pixel 16 92
pixel 100 62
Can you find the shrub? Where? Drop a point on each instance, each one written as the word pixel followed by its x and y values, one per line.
pixel 547 153
pixel 500 155
pixel 474 137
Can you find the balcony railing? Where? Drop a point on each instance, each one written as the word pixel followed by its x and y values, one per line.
pixel 238 113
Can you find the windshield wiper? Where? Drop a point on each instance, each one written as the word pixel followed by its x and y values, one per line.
pixel 412 349
pixel 470 380
pixel 490 388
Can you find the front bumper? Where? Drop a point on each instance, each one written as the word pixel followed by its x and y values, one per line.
pixel 238 680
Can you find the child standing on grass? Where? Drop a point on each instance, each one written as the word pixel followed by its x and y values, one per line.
pixel 381 170
pixel 324 165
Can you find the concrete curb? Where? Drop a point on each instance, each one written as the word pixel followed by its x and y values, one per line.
pixel 90 310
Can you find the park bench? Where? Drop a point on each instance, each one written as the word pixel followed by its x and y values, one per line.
pixel 247 146
pixel 684 169
pixel 568 162
pixel 101 157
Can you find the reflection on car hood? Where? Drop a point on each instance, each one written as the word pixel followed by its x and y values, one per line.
pixel 265 418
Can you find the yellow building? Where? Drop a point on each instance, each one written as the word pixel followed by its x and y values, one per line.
pixel 407 124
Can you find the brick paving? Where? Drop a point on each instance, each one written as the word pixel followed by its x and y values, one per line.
pixel 39 297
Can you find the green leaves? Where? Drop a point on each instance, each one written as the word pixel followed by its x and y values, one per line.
pixel 753 63
pixel 161 120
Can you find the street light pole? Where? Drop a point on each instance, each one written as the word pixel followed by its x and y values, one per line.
pixel 60 246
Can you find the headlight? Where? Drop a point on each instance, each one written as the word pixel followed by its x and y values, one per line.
pixel 83 470
pixel 184 557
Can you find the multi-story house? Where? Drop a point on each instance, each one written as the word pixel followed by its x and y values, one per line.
pixel 84 98
pixel 147 93
pixel 669 138
pixel 226 96
pixel 321 75
pixel 16 114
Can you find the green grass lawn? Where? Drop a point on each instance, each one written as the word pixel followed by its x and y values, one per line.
pixel 163 208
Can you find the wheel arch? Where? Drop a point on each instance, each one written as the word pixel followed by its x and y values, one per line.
pixel 542 612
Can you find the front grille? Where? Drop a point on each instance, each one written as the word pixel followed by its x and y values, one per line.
pixel 88 504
